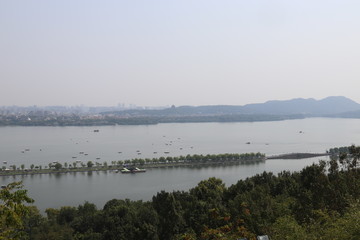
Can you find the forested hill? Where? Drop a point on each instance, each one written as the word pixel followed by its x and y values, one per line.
pixel 329 105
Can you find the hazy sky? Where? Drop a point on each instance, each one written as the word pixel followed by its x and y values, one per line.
pixel 184 52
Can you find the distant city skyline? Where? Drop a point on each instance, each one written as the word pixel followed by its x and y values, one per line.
pixel 134 106
pixel 163 53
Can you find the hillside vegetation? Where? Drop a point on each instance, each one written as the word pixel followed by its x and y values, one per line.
pixel 319 202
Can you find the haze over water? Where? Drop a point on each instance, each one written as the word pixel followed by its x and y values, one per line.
pixel 49 144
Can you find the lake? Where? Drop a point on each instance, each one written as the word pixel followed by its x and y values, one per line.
pixel 44 145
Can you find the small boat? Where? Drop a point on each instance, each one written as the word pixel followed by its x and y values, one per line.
pixel 125 170
pixel 137 170
pixel 81 152
pixel 155 152
pixel 73 157
pixel 97 158
pixel 119 152
pixel 27 149
pixel 166 152
pixel 4 162
pixel 247 142
pixel 96 130
pixel 132 170
pixel 86 154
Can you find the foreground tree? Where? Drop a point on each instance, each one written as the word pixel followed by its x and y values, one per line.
pixel 13 210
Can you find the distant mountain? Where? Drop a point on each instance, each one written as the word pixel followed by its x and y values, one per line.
pixel 304 107
pixel 329 105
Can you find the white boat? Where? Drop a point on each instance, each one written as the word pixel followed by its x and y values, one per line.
pixel 125 170
pixel 132 170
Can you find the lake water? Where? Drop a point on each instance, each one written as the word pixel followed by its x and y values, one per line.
pixel 62 144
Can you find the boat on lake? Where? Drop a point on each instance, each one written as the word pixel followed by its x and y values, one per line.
pixel 132 170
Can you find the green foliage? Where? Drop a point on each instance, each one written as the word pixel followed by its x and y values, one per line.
pixel 13 210
pixel 90 164
pixel 58 166
pixel 286 228
pixel 170 214
pixel 319 202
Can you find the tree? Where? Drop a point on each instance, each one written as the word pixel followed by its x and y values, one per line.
pixel 13 210
pixel 141 162
pixel 287 228
pixel 58 166
pixel 171 221
pixel 22 166
pixel 90 164
pixel 32 166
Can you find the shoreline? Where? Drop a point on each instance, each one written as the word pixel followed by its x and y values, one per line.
pixel 297 155
pixel 114 168
pixel 289 156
